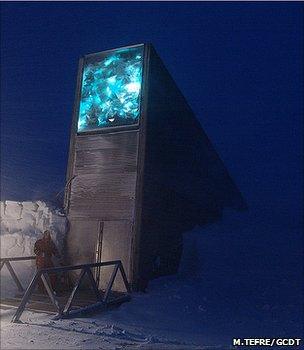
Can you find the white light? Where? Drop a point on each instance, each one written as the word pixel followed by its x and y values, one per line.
pixel 112 79
pixel 133 87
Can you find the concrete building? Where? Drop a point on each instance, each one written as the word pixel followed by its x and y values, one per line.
pixel 141 170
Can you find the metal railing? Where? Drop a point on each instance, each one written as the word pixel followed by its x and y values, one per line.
pixel 7 262
pixel 64 311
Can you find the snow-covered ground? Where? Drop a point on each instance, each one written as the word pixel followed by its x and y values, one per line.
pixel 237 279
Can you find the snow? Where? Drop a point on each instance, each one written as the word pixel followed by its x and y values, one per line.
pixel 231 283
pixel 89 333
pixel 22 223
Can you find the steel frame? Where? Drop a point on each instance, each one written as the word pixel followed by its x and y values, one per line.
pixel 64 311
pixel 7 263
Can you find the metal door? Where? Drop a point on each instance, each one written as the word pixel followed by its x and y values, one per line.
pixel 115 245
pixel 82 240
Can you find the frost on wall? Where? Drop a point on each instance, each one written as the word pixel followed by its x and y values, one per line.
pixel 110 91
pixel 22 223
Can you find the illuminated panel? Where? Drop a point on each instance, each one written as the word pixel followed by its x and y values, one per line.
pixel 110 91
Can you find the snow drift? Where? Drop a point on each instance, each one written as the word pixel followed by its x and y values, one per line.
pixel 22 223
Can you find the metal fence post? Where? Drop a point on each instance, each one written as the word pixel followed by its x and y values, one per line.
pixel 72 295
pixel 13 274
pixel 25 298
pixel 93 283
pixel 124 277
pixel 111 282
pixel 51 293
pixel 85 270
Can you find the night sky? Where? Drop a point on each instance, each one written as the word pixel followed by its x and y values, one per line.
pixel 238 64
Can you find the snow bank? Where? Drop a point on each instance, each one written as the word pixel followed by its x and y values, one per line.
pixel 22 223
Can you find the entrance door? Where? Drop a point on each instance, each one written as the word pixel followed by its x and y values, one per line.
pixel 81 240
pixel 115 244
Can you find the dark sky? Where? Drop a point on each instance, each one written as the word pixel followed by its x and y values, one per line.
pixel 238 64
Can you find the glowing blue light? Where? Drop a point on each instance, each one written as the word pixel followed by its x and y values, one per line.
pixel 110 92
